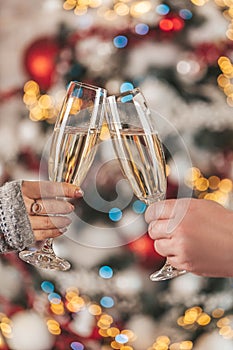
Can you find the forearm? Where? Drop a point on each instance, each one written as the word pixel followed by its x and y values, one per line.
pixel 15 228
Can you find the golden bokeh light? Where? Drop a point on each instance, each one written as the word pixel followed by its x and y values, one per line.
pixel 217 313
pixel 121 9
pixel 201 184
pixel 199 2
pixel 41 107
pixel 130 334
pixel 113 331
pixel 58 309
pixel 225 185
pixel 203 319
pixel 116 345
pixel 75 304
pixel 95 309
pixel 213 182
pixel 223 322
pixel 53 327
pixel 186 345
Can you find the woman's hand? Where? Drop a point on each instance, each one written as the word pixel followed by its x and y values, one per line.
pixel 194 234
pixel 47 208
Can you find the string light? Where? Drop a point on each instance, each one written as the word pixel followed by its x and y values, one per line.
pixel 225 325
pixel 212 188
pixel 40 106
pixel 53 327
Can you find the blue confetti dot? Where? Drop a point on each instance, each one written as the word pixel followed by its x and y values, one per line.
pixel 107 302
pixel 47 287
pixel 54 298
pixel 106 272
pixel 126 86
pixel 121 338
pixel 120 41
pixel 185 14
pixel 141 28
pixel 76 346
pixel 139 207
pixel 162 9
pixel 115 214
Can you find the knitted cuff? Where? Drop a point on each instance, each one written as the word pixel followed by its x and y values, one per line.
pixel 15 225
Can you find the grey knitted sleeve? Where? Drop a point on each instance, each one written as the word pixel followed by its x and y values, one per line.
pixel 15 228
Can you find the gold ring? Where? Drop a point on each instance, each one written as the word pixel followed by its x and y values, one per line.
pixel 36 207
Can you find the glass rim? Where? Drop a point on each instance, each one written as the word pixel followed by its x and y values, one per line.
pixel 85 85
pixel 126 93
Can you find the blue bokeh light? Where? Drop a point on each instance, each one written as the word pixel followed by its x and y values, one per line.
pixel 139 207
pixel 106 272
pixel 75 345
pixel 126 86
pixel 47 287
pixel 120 41
pixel 107 302
pixel 54 298
pixel 162 9
pixel 121 338
pixel 115 214
pixel 185 14
pixel 141 28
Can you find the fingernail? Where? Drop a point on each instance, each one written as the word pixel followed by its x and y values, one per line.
pixel 63 230
pixel 78 192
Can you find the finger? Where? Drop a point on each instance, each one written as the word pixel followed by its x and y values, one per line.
pixel 161 228
pixel 41 235
pixel 50 206
pixel 49 189
pixel 49 222
pixel 160 210
pixel 164 247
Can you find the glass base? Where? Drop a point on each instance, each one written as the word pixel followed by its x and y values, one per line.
pixel 44 260
pixel 167 272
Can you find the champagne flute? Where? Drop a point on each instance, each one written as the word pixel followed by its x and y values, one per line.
pixel 73 147
pixel 140 153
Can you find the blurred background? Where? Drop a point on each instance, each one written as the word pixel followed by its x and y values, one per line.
pixel 180 53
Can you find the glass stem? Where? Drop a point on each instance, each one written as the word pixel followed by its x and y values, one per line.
pixel 47 246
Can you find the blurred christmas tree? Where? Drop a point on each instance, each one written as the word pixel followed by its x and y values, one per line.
pixel 180 55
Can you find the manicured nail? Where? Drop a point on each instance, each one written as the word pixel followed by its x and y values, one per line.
pixel 63 230
pixel 78 192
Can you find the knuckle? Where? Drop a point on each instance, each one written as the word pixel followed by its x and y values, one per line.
pixel 47 222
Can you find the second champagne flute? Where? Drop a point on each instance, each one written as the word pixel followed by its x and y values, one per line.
pixel 73 147
pixel 140 153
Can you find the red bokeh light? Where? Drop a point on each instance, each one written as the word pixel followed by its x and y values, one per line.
pixel 171 24
pixel 166 25
pixel 40 61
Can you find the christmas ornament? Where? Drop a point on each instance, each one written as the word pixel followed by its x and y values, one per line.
pixel 40 61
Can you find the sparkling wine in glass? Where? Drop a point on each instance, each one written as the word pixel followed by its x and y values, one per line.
pixel 73 147
pixel 140 153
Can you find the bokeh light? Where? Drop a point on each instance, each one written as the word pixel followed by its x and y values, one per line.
pixel 115 214
pixel 141 28
pixel 126 86
pixel 107 301
pixel 162 9
pixel 76 346
pixel 185 14
pixel 106 272
pixel 120 41
pixel 54 298
pixel 47 287
pixel 139 207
